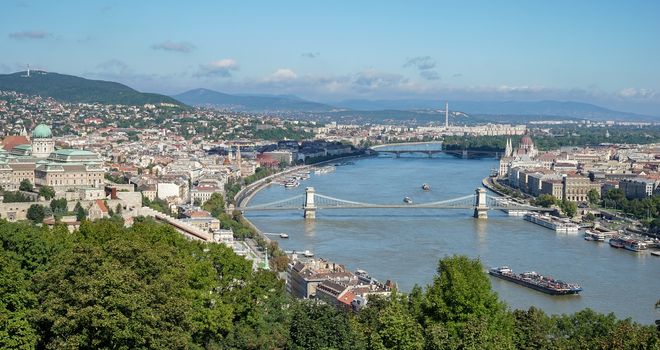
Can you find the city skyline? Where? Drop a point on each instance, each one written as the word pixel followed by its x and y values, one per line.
pixel 597 52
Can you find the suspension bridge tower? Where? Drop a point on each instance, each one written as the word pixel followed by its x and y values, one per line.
pixel 480 207
pixel 309 207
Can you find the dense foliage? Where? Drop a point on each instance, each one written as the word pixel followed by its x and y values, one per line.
pixel 14 197
pixel 74 89
pixel 147 287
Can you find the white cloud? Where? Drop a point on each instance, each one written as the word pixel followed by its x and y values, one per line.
pixel 282 75
pixel 373 79
pixel 638 94
pixel 219 68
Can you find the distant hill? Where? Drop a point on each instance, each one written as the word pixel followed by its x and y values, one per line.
pixel 251 103
pixel 69 88
pixel 567 109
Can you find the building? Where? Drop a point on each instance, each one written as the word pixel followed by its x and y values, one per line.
pixel 638 187
pixel 40 163
pixel 577 187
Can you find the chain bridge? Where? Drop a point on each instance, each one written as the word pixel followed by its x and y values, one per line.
pixel 311 201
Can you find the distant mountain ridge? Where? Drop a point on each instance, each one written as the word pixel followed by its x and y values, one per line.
pixel 72 89
pixel 250 103
pixel 569 109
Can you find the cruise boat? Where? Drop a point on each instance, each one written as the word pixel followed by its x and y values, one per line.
pixel 616 242
pixel 536 281
pixel 594 236
pixel 407 200
pixel 559 225
pixel 426 187
pixel 324 170
pixel 634 245
pixel 291 183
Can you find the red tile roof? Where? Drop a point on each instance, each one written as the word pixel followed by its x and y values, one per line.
pixel 12 141
pixel 102 206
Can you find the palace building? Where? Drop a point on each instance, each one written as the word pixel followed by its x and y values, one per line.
pixel 37 160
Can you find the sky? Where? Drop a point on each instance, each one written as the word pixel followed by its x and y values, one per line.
pixel 602 52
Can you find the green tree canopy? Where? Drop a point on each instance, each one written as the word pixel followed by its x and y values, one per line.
pixel 26 185
pixel 594 196
pixel 461 304
pixel 546 200
pixel 36 213
pixel 215 205
pixel 47 192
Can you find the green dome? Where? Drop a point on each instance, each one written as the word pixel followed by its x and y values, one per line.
pixel 42 131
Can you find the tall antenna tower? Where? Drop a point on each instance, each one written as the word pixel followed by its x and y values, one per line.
pixel 446 115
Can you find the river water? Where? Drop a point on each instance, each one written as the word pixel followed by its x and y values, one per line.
pixel 405 244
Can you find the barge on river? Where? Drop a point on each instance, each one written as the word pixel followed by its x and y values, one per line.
pixel 536 281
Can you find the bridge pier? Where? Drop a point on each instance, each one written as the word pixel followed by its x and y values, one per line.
pixel 309 207
pixel 481 208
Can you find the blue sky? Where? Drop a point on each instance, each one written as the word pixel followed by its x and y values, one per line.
pixel 604 52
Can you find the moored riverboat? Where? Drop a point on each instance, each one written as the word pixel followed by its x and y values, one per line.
pixel 634 245
pixel 594 236
pixel 616 242
pixel 556 224
pixel 536 281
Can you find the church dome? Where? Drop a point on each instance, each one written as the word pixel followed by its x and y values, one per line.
pixel 42 131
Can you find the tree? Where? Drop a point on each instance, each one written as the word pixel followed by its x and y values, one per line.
pixel 589 217
pixel 463 311
pixel 47 192
pixel 26 185
pixel 16 304
pixel 397 328
pixel 532 329
pixel 36 213
pixel 569 208
pixel 81 213
pixel 118 209
pixel 546 200
pixel 58 206
pixel 594 196
pixel 215 205
pixel 320 326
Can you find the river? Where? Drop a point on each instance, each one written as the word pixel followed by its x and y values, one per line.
pixel 405 244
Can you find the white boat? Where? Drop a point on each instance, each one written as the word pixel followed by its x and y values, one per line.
pixel 556 224
pixel 291 183
pixel 594 236
pixel 655 252
pixel 308 254
pixel 407 200
pixel 284 235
